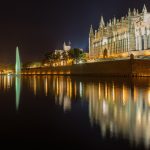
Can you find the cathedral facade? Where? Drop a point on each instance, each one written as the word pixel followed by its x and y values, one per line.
pixel 130 33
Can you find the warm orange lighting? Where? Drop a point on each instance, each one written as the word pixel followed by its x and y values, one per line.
pixel 34 85
pixel 46 86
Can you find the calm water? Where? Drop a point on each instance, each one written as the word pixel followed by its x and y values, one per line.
pixel 63 111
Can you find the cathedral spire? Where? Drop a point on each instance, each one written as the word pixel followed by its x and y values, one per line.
pixel 114 20
pixel 134 11
pixel 129 12
pixel 64 43
pixel 69 43
pixel 144 9
pixel 102 23
pixel 137 11
pixel 91 30
pixel 110 23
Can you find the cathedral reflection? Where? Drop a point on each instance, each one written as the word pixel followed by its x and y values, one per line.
pixel 120 106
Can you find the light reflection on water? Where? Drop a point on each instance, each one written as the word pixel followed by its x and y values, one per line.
pixel 120 106
pixel 5 82
pixel 17 89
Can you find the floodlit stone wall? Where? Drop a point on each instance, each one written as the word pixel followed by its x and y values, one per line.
pixel 107 68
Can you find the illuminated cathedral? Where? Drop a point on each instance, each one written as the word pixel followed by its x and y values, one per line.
pixel 130 33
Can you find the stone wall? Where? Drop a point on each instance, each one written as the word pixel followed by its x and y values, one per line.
pixel 141 68
pixel 107 68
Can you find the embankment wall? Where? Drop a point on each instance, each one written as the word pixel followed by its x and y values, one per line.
pixel 105 68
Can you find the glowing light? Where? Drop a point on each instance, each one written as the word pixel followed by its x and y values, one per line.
pixel 113 92
pixel 46 86
pixel 106 92
pixel 124 95
pixel 34 85
pixel 57 85
pixel 70 88
pixel 67 103
pixel 105 108
pixel 18 65
pixel 99 91
pixel 18 86
pixel 8 81
pixel 81 89
pixel 75 89
pixel 5 83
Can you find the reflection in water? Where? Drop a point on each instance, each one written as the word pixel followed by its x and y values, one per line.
pixel 5 82
pixel 120 107
pixel 127 115
pixel 17 88
pixel 46 86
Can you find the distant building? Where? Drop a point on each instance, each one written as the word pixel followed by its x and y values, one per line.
pixel 67 47
pixel 81 49
pixel 130 33
pixel 60 53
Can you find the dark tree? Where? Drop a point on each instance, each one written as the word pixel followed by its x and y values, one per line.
pixel 50 56
pixel 76 54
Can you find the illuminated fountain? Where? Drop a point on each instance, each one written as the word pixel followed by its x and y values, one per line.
pixel 18 66
pixel 18 79
pixel 17 89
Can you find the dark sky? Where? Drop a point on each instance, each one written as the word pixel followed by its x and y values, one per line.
pixel 39 26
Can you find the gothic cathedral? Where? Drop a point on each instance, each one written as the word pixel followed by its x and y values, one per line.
pixel 130 33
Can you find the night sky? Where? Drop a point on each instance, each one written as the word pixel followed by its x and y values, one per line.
pixel 39 26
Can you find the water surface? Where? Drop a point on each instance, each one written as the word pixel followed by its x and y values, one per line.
pixel 64 111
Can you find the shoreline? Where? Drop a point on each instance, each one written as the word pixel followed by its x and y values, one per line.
pixel 122 68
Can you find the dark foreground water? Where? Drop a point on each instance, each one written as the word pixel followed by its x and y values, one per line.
pixel 74 112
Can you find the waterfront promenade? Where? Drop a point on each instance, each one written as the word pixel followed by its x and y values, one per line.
pixel 124 67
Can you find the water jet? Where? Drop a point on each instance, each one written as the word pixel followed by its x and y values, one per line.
pixel 18 65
